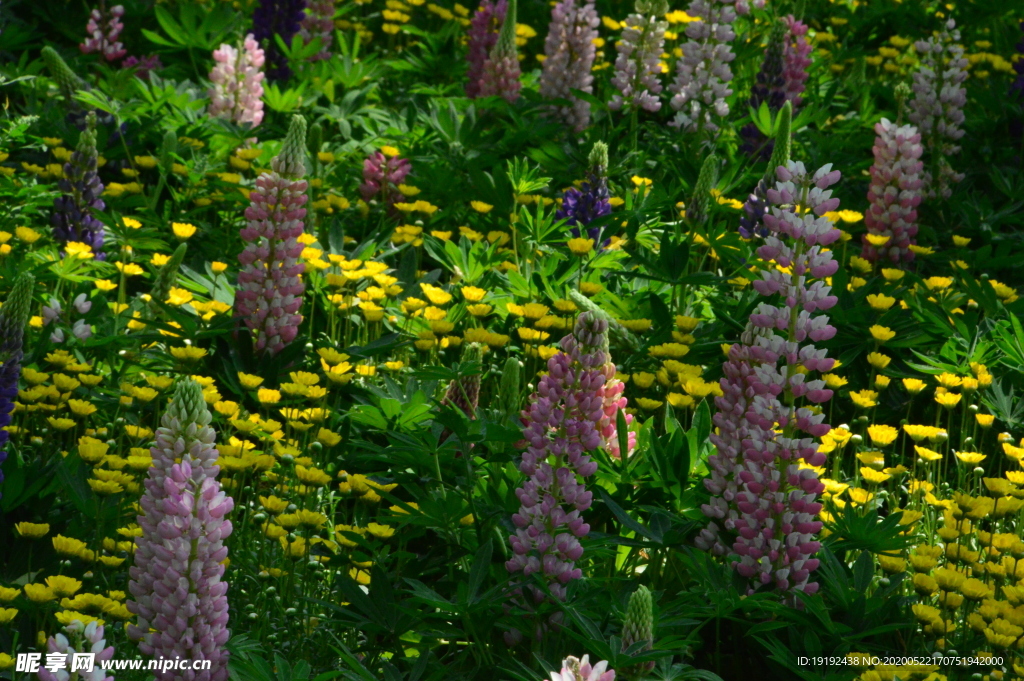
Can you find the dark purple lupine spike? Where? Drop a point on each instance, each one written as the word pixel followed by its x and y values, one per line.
pixel 481 38
pixel 72 217
pixel 770 88
pixel 277 17
pixel 582 206
pixel 13 317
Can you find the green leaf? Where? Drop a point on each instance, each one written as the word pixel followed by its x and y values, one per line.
pixel 481 568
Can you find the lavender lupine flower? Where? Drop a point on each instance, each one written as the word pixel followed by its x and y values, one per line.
pixel 763 503
pixel 104 29
pixel 501 69
pixel 769 88
pixel 937 106
pixel 72 218
pixel 13 318
pixel 176 582
pixel 270 289
pixel 895 192
pixel 638 64
pixel 592 200
pixel 581 670
pixel 318 22
pixel 277 17
pixel 797 58
pixel 570 51
pixel 702 73
pixel 237 81
pixel 78 638
pixel 144 66
pixel 567 418
pixel 481 38
pixel 382 175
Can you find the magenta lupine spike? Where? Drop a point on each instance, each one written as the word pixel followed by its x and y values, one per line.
pixel 637 66
pixel 582 670
pixel 895 192
pixel 84 638
pixel 937 106
pixel 176 583
pixel 763 503
pixel 104 29
pixel 382 175
pixel 270 287
pixel 237 80
pixel 318 23
pixel 570 51
pixel 703 73
pixel 797 59
pixel 562 426
pixel 481 38
pixel 501 71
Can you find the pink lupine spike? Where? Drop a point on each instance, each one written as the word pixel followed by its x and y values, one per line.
pixel 763 503
pixel 895 192
pixel 237 80
pixel 104 29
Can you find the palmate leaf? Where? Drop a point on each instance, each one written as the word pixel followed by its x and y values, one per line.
pixel 851 531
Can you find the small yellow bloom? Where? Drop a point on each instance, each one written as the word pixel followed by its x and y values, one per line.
pixel 914 385
pixel 580 246
pixel 881 333
pixel 183 230
pixel 880 301
pixel 218 267
pixel 32 530
pixel 882 435
pixel 481 207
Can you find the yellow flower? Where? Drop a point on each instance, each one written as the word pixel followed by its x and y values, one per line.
pixel 882 435
pixel 890 274
pixel 8 594
pixel 389 151
pixel 880 301
pixel 183 230
pixel 32 530
pixel 878 360
pixel 647 404
pixel 865 399
pixel 268 396
pixel 581 246
pixel 938 283
pixel 39 593
pixel 249 381
pixel 481 207
pixel 7 615
pixel 914 385
pixel 76 249
pixel 985 420
pixel 970 457
pixel 188 353
pixel 63 585
pixel 881 333
pixel 218 267
pixel 436 295
pixel 947 399
pixel 877 239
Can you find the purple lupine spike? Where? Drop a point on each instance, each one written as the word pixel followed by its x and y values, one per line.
pixel 104 29
pixel 270 289
pixel 177 587
pixel 501 71
pixel 895 192
pixel 72 218
pixel 797 58
pixel 769 88
pixel 481 38
pixel 763 503
pixel 582 206
pixel 382 175
pixel 703 73
pixel 237 78
pixel 562 425
pixel 937 106
pixel 318 22
pixel 1018 66
pixel 570 51
pixel 638 64
pixel 78 638
pixel 277 17
pixel 144 66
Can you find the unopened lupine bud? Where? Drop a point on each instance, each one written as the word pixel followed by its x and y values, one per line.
pixel 638 627
pixel 700 202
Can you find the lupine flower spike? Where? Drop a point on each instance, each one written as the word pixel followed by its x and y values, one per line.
pixel 797 58
pixel 582 206
pixel 501 70
pixel 318 22
pixel 14 317
pixel 638 628
pixel 104 29
pixel 176 582
pixel 703 73
pixel 894 194
pixel 270 287
pixel 382 175
pixel 937 106
pixel 481 37
pixel 573 412
pixel 763 503
pixel 277 17
pixel 637 66
pixel 72 218
pixel 78 638
pixel 237 79
pixel 581 670
pixel 570 51
pixel 768 89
